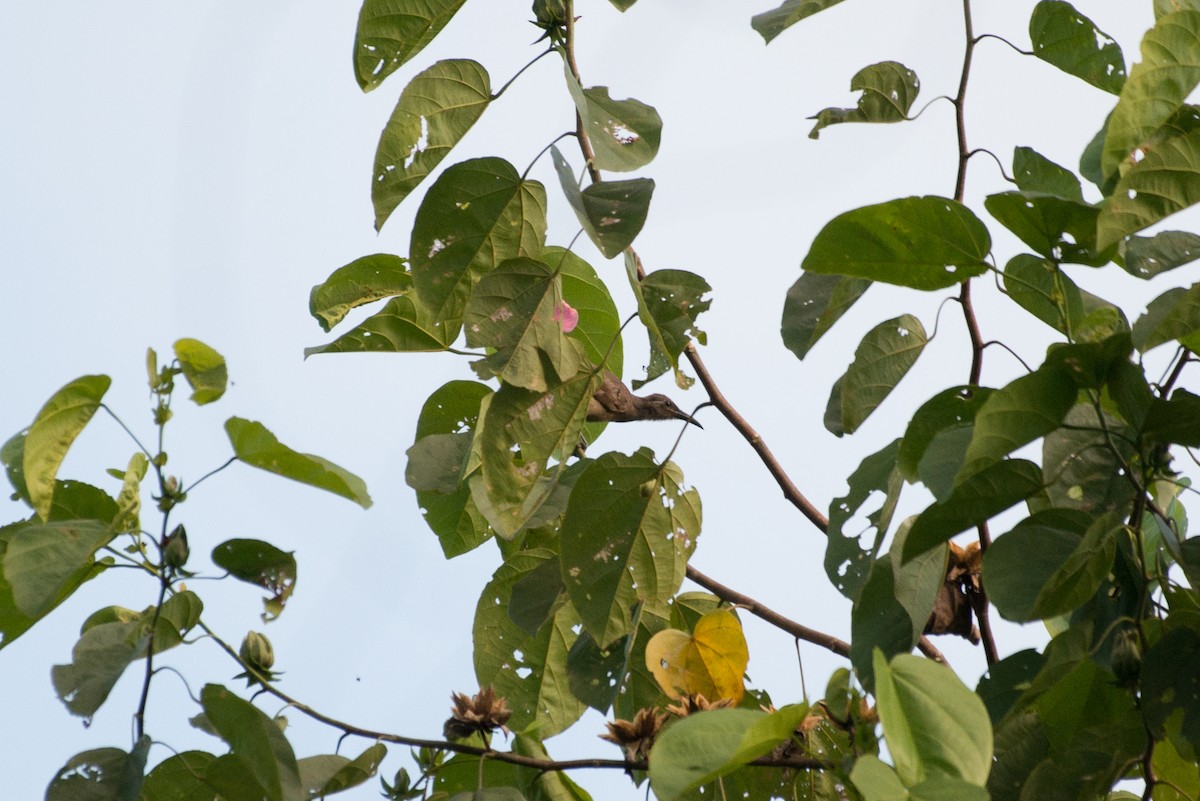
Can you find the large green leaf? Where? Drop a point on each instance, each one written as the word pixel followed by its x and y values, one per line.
pixel 952 408
pixel 258 447
pixel 56 426
pixel 813 304
pixel 1033 172
pixel 1156 88
pixel 262 564
pixel 1079 462
pixel 919 242
pixel 477 214
pixel 611 212
pixel 179 777
pixel 628 532
pixel 985 494
pixel 364 280
pixel 1070 41
pixel 203 368
pixel 1024 410
pixel 770 24
pixel 848 558
pixel 515 312
pixel 390 32
pixel 256 740
pixel 101 774
pixel 699 749
pixel 435 110
pixel 1146 257
pixel 881 360
pixel 1039 287
pixel 1057 228
pixel 934 725
pixel 625 134
pixel 888 91
pixel 529 670
pixel 1173 315
pixel 1166 180
pixel 43 563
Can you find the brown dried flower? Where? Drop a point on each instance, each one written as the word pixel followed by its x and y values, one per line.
pixel 698 703
pixel 637 736
pixel 483 712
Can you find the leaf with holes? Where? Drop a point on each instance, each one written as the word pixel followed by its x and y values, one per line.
pixel 669 302
pixel 888 91
pixel 710 661
pixel 390 32
pixel 611 212
pixel 848 558
pixel 1070 41
pixel 260 563
pixel 1057 228
pixel 813 304
pixel 1033 172
pixel 1165 181
pixel 625 134
pixel 1147 256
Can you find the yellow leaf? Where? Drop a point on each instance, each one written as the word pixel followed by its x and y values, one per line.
pixel 710 661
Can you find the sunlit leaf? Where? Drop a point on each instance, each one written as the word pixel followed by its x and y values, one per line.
pixel 1070 41
pixel 203 368
pixel 1042 289
pixel 611 212
pixel 362 281
pixel 1033 172
pixel 876 780
pixel 918 242
pixel 390 32
pixel 770 24
pixel 42 562
pixel 1166 180
pixel 625 134
pixel 813 304
pixel 256 741
pixel 710 661
pixel 129 501
pixel 256 446
pixel 881 360
pixel 56 426
pixel 401 326
pixel 262 564
pixel 888 91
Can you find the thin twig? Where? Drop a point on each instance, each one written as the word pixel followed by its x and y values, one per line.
pixel 533 61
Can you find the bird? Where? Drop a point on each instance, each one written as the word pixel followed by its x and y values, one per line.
pixel 614 403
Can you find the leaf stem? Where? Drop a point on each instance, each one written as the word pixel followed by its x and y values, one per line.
pixel 212 472
pixel 533 61
pixel 983 36
pixel 132 436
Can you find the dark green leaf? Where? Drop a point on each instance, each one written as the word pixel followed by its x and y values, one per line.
pixel 179 778
pixel 813 304
pixel 1070 41
pixel 12 456
pixel 1166 180
pixel 1176 420
pixel 1034 172
pixel 770 24
pixel 1078 458
pixel 326 775
pixel 1004 682
pixel 258 447
pixel 888 91
pixel 974 501
pixel 203 368
pixel 390 32
pixel 919 242
pixel 1039 287
pixel 639 689
pixel 611 212
pixel 595 674
pixel 1173 315
pixel 477 214
pixel 1059 229
pixel 1171 692
pixel 881 360
pixel 1147 256
pixel 916 584
pixel 943 459
pixel 625 134
pixel 848 558
pixel 256 741
pixel 668 303
pixel 535 596
pixel 262 564
pixel 364 280
pixel 56 426
pixel 102 774
pixel 878 622
pixel 955 407
pixel 437 463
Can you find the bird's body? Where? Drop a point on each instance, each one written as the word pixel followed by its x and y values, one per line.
pixel 614 403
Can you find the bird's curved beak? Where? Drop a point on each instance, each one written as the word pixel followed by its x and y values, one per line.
pixel 682 415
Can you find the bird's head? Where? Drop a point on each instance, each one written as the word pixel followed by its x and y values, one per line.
pixel 660 407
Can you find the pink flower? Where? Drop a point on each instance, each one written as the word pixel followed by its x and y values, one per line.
pixel 566 316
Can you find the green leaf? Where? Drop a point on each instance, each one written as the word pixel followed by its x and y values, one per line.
pixel 102 774
pixel 1070 41
pixel 1085 472
pixel 813 304
pixel 1166 180
pixel 203 368
pixel 1155 90
pixel 699 749
pixel 260 563
pixel 12 456
pixel 437 463
pixel 770 24
pixel 179 778
pixel 1059 229
pixel 916 585
pixel 1176 420
pixel 888 91
pixel 625 134
pixel 129 502
pixel 402 326
pixel 1170 693
pixel 1049 564
pixel 638 689
pixel 1039 287
pixel 528 670
pixel 477 214
pixel 876 780
pixel 668 303
pixel 258 447
pixel 919 242
pixel 1033 172
pixel 627 535
pixel 1146 257
pixel 256 741
pixel 56 426
pixel 44 563
pixel 1026 409
pixel 611 212
pixel 1173 315
pixel 879 622
pixel 848 558
pixel 362 281
pixel 599 328
pixel 553 785
pixel 434 112
pixel 514 311
pixel 329 774
pixel 1004 681
pixel 1164 7
pixel 951 408
pixel 934 725
pixel 390 32
pixel 973 502
pixel 881 360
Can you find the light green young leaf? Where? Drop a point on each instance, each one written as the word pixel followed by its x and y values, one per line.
pixel 611 212
pixel 881 360
pixel 919 242
pixel 1165 181
pixel 515 311
pixel 262 564
pixel 529 670
pixel 934 725
pixel 256 741
pixel 45 562
pixel 362 281
pixel 435 110
pixel 477 214
pixel 1059 229
pixel 627 535
pixel 1034 172
pixel 1145 257
pixel 390 32
pixel 1164 7
pixel 813 304
pixel 848 558
pixel 1070 41
pixel 888 91
pixel 203 368
pixel 1156 88
pixel 625 134
pixel 877 780
pixel 56 426
pixel 1173 315
pixel 258 447
pixel 129 502
pixel 770 24
pixel 699 749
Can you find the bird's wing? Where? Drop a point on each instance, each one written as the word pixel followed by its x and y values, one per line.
pixel 612 401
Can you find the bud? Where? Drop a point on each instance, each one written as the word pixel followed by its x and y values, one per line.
pixel 1126 657
pixel 175 549
pixel 256 651
pixel 550 13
